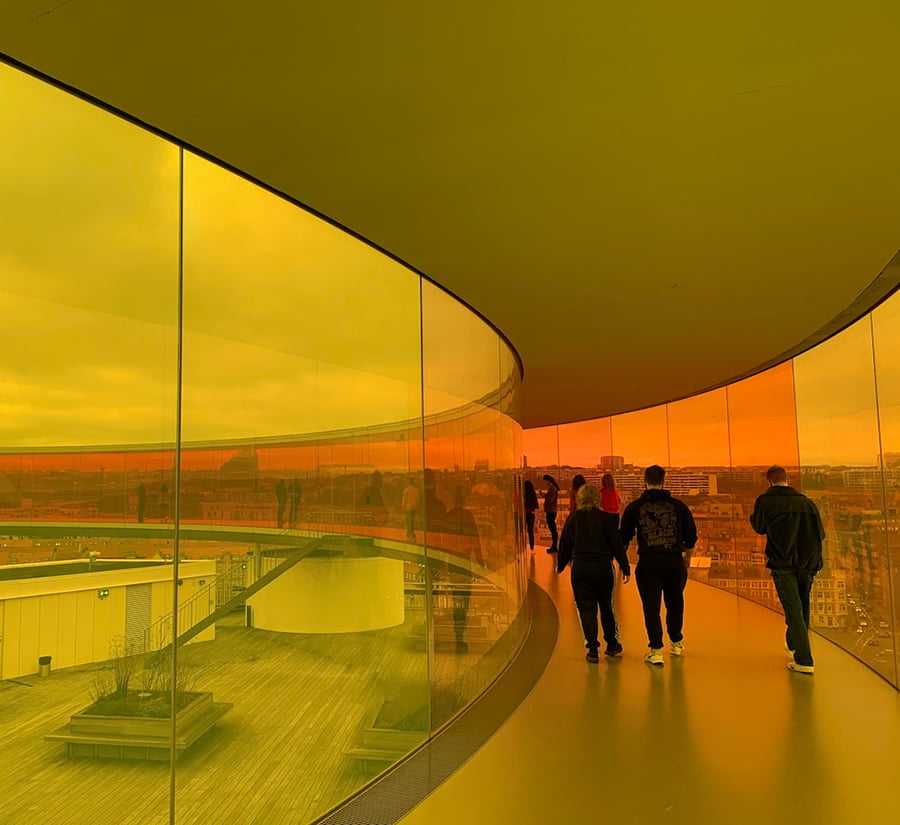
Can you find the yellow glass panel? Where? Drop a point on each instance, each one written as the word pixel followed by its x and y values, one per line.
pixel 837 423
pixel 886 333
pixel 469 502
pixel 303 427
pixel 88 292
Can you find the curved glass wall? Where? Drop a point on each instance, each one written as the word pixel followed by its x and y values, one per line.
pixel 247 463
pixel 831 417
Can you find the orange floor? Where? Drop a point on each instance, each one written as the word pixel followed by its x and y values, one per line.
pixel 725 735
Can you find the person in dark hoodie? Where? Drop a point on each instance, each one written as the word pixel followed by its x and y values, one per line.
pixel 590 541
pixel 794 532
pixel 666 534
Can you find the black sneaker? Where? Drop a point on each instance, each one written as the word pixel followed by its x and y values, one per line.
pixel 592 656
pixel 613 651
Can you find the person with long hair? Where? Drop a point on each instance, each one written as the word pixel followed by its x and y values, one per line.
pixel 610 499
pixel 591 542
pixel 551 506
pixel 531 505
pixel 577 482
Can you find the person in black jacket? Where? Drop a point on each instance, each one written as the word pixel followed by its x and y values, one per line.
pixel 590 541
pixel 794 532
pixel 666 534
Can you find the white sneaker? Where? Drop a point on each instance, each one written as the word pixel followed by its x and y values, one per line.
pixel 801 668
pixel 676 649
pixel 654 656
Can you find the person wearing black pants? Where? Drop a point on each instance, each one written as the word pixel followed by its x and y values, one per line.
pixel 794 533
pixel 591 543
pixel 551 505
pixel 666 534
pixel 662 576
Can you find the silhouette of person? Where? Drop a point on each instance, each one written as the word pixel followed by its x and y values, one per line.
pixel 794 533
pixel 551 505
pixel 141 502
pixel 591 542
pixel 666 534
pixel 164 502
pixel 531 505
pixel 435 512
pixel 577 483
pixel 295 493
pixel 610 498
pixel 461 523
pixel 409 503
pixel 281 500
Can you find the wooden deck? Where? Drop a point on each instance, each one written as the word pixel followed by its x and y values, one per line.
pixel 277 757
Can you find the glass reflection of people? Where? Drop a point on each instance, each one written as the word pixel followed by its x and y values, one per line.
pixel 372 499
pixel 577 483
pixel 435 512
pixel 591 542
pixel 141 503
pixel 531 505
pixel 461 523
pixel 409 503
pixel 294 494
pixel 666 534
pixel 610 499
pixel 281 497
pixel 164 502
pixel 551 505
pixel 794 533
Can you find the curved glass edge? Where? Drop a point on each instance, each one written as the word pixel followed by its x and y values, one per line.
pixel 248 463
pixel 831 417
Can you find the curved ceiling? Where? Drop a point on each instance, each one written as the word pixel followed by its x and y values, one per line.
pixel 648 198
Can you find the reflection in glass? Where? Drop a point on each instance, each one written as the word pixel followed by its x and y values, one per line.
pixel 886 334
pixel 840 471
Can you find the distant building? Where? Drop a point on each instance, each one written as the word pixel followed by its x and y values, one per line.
pixel 614 463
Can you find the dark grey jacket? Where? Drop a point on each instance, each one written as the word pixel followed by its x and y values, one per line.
pixel 793 529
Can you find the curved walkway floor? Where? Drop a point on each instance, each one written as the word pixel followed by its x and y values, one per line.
pixel 727 735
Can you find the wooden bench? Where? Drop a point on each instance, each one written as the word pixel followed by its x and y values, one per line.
pixel 379 748
pixel 120 737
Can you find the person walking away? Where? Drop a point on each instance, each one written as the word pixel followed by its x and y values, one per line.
pixel 794 532
pixel 409 501
pixel 551 505
pixel 577 483
pixel 610 499
pixel 666 534
pixel 591 542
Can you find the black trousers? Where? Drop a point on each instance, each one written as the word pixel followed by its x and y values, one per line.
pixel 662 576
pixel 554 533
pixel 529 525
pixel 793 588
pixel 592 584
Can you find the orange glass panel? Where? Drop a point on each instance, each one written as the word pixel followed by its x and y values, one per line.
pixel 699 476
pixel 763 431
pixel 541 447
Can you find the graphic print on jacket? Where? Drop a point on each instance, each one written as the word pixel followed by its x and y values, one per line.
pixel 658 525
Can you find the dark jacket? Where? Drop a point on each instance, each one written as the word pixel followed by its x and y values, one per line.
pixel 663 524
pixel 793 529
pixel 588 534
pixel 551 497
